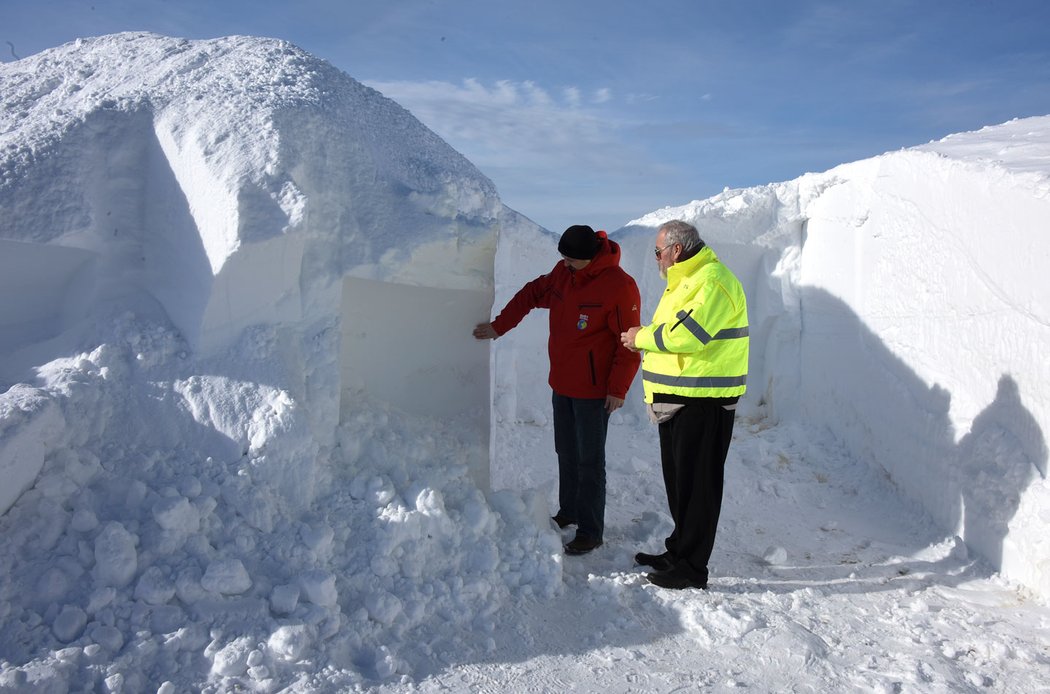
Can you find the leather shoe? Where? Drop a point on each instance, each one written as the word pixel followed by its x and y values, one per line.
pixel 659 562
pixel 582 544
pixel 562 522
pixel 675 580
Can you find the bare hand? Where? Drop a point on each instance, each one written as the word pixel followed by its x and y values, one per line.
pixel 485 331
pixel 612 403
pixel 627 338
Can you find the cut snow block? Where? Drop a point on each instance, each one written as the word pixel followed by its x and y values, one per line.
pixel 31 423
pixel 412 348
pixel 35 281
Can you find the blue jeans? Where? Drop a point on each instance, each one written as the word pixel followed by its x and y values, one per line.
pixel 580 428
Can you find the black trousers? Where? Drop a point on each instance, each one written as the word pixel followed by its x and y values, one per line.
pixel 693 448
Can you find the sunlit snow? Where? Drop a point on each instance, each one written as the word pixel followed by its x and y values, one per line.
pixel 248 442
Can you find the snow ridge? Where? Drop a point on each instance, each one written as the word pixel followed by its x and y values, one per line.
pixel 203 506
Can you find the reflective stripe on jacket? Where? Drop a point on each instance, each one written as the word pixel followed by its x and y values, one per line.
pixel 697 343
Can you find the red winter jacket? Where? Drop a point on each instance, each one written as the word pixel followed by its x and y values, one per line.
pixel 589 308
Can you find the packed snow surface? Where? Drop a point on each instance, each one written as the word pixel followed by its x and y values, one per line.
pixel 194 501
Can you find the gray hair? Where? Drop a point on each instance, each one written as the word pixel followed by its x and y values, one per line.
pixel 677 231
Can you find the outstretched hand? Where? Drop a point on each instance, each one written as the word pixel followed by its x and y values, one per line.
pixel 485 331
pixel 627 338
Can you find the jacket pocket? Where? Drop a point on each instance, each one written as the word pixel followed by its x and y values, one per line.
pixel 594 375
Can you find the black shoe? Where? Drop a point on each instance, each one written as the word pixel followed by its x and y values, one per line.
pixel 582 544
pixel 562 522
pixel 675 580
pixel 659 562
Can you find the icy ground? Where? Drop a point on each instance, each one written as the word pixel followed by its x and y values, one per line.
pixel 822 580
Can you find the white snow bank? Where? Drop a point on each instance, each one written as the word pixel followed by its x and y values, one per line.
pixel 202 486
pixel 901 302
pixel 196 520
pixel 228 187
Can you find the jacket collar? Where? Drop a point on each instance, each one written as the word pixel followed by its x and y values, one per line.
pixel 687 267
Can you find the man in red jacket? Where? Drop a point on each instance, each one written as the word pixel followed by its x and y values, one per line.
pixel 591 301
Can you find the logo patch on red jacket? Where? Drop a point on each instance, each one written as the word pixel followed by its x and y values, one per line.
pixel 581 324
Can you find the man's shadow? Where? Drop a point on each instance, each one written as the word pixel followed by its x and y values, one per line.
pixel 994 465
pixel 891 420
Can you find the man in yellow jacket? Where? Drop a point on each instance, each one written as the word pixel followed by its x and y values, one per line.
pixel 693 372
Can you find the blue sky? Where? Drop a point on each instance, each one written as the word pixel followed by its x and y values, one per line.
pixel 597 112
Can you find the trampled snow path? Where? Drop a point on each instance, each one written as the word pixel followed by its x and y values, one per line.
pixel 822 580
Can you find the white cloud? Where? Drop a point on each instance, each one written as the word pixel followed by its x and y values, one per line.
pixel 555 155
pixel 513 123
pixel 537 94
pixel 641 98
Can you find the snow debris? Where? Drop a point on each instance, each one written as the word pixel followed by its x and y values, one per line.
pixel 245 435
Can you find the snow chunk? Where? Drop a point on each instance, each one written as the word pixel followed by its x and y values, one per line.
pixel 226 576
pixel 289 642
pixel 177 514
pixel 30 422
pixel 100 598
pixel 284 598
pixel 116 559
pixel 232 659
pixel 384 607
pixel 154 587
pixel 319 587
pixel 69 623
pixel 84 520
pixel 108 637
pixel 775 556
pixel 318 539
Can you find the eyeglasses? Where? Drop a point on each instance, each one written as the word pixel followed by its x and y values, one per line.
pixel 659 251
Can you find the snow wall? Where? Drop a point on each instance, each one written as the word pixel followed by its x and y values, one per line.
pixel 899 302
pixel 260 204
pixel 926 312
pixel 902 303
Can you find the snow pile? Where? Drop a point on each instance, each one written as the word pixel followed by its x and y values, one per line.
pixel 901 303
pixel 227 188
pixel 240 435
pixel 204 480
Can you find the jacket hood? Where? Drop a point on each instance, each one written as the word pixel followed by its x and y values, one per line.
pixel 608 256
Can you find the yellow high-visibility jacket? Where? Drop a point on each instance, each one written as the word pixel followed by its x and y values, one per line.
pixel 697 343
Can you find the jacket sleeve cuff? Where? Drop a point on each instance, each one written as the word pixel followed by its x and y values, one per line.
pixel 643 339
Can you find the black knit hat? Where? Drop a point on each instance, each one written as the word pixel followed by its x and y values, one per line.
pixel 579 242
